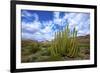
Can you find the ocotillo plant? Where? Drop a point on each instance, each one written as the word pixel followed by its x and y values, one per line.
pixel 65 43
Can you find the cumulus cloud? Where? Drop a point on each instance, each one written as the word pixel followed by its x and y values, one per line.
pixel 25 13
pixel 81 21
pixel 56 15
pixel 44 30
pixel 57 20
pixel 33 26
pixel 36 17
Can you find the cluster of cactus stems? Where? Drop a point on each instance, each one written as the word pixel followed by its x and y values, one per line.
pixel 65 43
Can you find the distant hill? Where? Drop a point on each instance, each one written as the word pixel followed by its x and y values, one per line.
pixel 27 42
pixel 84 39
pixel 81 39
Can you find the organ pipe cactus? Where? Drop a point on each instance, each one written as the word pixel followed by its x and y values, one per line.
pixel 65 43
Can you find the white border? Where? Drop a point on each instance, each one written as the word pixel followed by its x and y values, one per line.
pixel 51 64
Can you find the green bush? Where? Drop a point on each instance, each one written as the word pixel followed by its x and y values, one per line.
pixel 31 48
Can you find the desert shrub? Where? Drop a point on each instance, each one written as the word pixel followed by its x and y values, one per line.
pixel 30 48
pixel 55 58
pixel 33 48
pixel 42 58
pixel 45 52
pixel 87 46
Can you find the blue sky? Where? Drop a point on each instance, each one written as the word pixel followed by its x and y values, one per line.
pixel 41 25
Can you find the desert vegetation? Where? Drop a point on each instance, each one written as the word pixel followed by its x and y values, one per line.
pixel 65 46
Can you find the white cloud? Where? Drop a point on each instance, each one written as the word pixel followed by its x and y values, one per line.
pixel 56 14
pixel 71 18
pixel 36 36
pixel 66 15
pixel 38 33
pixel 42 37
pixel 69 15
pixel 79 21
pixel 26 35
pixel 47 23
pixel 57 20
pixel 83 32
pixel 48 37
pixel 34 26
pixel 36 17
pixel 74 20
pixel 46 30
pixel 25 14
